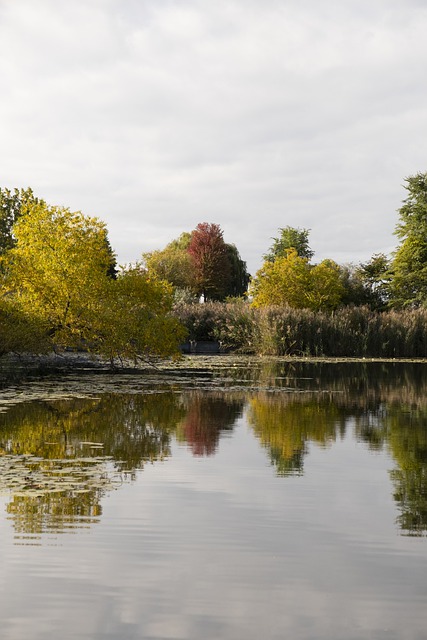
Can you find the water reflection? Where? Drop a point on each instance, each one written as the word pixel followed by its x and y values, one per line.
pixel 385 405
pixel 42 506
pixel 285 424
pixel 129 429
pixel 207 417
pixel 59 458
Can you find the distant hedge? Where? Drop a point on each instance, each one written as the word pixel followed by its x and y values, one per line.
pixel 279 331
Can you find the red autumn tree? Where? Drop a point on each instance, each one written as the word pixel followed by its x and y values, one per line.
pixel 211 263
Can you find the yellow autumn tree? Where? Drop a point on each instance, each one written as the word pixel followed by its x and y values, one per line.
pixel 59 272
pixel 134 318
pixel 292 281
pixel 58 268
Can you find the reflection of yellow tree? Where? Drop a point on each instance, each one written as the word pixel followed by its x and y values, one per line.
pixel 207 415
pixel 50 452
pixel 285 423
pixel 130 428
pixel 388 407
pixel 54 512
pixel 50 495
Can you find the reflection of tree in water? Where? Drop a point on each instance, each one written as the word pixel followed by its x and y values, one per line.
pixel 53 513
pixel 207 415
pixel 58 458
pixel 54 494
pixel 285 423
pixel 50 453
pixel 407 440
pixel 385 404
pixel 131 429
pixel 115 434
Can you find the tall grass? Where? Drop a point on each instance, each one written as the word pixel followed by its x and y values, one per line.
pixel 347 332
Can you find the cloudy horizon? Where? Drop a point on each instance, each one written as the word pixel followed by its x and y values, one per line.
pixel 158 115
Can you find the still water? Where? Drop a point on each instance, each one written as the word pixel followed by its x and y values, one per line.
pixel 237 499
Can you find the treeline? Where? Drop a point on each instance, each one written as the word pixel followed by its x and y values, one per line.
pixel 61 287
pixel 284 331
pixel 201 265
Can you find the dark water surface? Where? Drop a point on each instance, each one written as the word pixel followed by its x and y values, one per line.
pixel 237 499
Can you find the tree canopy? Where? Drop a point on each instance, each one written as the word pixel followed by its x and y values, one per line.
pixel 134 318
pixel 290 280
pixel 12 205
pixel 367 283
pixel 58 268
pixel 290 238
pixel 409 264
pixel 208 253
pixel 60 285
pixel 58 274
pixel 201 263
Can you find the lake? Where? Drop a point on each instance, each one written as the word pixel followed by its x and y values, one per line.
pixel 226 498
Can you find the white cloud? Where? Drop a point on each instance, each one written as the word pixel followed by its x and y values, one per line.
pixel 158 115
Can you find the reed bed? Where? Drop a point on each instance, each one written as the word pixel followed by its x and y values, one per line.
pixel 280 331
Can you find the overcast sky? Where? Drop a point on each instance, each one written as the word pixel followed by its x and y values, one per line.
pixel 155 115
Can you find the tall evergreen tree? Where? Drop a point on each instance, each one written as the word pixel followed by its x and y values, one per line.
pixel 290 238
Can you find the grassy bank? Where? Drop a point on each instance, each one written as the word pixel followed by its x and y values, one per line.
pixel 280 331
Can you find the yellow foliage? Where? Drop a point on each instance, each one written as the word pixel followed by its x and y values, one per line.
pixel 58 274
pixel 290 280
pixel 58 268
pixel 134 318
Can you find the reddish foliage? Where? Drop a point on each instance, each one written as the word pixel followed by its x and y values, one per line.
pixel 210 260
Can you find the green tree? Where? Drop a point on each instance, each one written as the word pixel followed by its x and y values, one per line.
pixel 325 288
pixel 375 276
pixel 290 238
pixel 200 257
pixel 368 283
pixel 239 277
pixel 291 280
pixel 409 265
pixel 20 330
pixel 173 263
pixel 12 204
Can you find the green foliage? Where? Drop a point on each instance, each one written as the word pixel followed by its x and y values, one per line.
pixel 290 238
pixel 409 265
pixel 12 206
pixel 367 284
pixel 238 281
pixel 173 263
